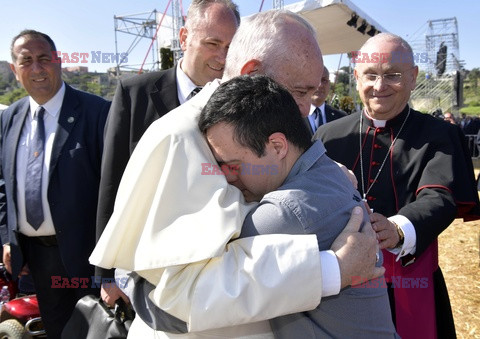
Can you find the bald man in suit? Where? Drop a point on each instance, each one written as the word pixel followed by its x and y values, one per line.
pixel 320 111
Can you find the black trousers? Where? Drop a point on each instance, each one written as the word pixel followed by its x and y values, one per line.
pixel 57 293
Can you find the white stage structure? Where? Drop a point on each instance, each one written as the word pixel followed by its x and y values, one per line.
pixel 341 26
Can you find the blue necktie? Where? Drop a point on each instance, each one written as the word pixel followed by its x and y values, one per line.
pixel 318 117
pixel 33 182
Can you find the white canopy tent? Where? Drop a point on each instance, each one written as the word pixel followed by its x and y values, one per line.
pixel 341 26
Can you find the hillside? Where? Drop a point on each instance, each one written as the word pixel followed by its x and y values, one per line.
pixel 100 84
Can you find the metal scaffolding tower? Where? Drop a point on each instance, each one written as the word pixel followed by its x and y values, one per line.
pixel 437 53
pixel 177 24
pixel 147 33
pixel 277 4
pixel 441 43
pixel 139 26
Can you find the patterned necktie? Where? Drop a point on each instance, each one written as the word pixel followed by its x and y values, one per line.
pixel 33 182
pixel 194 92
pixel 318 117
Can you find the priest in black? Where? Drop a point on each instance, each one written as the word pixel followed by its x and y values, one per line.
pixel 416 174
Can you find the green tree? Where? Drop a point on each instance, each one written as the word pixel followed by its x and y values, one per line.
pixel 11 97
pixel 347 105
pixel 473 76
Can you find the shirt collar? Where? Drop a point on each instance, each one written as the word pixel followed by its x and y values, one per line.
pixel 185 86
pixel 307 159
pixel 313 107
pixel 52 106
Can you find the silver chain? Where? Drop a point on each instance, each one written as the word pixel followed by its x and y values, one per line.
pixel 384 160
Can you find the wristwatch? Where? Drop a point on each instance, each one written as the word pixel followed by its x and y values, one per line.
pixel 401 235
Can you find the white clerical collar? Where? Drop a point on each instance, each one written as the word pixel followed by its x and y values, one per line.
pixel 185 86
pixel 376 122
pixel 53 105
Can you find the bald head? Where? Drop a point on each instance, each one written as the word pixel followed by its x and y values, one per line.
pixel 386 75
pixel 403 51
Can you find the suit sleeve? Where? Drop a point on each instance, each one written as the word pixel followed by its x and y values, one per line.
pixel 3 198
pixel 257 278
pixel 115 157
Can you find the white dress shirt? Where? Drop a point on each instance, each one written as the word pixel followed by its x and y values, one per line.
pixel 311 116
pixel 185 86
pixel 50 119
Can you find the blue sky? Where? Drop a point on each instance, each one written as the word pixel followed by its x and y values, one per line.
pixel 85 26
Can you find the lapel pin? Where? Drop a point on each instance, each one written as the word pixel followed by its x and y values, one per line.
pixel 71 119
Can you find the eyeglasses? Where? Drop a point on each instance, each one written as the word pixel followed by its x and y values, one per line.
pixel 370 79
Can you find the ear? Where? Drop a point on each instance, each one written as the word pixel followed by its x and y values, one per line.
pixel 355 74
pixel 12 67
pixel 183 38
pixel 413 83
pixel 251 67
pixel 279 143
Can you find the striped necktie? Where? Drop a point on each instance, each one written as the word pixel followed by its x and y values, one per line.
pixel 194 92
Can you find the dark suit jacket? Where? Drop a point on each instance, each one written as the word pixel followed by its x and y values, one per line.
pixel 331 114
pixel 73 179
pixel 138 102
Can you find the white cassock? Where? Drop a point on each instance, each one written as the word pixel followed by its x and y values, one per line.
pixel 174 226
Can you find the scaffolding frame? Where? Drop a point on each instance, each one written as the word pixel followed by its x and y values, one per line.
pixel 146 25
pixel 140 26
pixel 277 4
pixel 438 91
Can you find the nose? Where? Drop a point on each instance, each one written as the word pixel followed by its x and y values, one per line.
pixel 304 106
pixel 379 84
pixel 222 55
pixel 37 66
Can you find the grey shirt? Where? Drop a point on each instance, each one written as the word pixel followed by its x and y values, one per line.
pixel 317 198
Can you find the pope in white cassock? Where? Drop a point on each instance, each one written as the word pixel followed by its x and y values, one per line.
pixel 174 226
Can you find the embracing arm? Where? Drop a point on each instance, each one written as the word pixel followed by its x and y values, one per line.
pixel 255 277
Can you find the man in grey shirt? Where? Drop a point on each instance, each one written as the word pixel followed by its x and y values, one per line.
pixel 256 132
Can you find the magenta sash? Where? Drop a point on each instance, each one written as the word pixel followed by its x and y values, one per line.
pixel 414 293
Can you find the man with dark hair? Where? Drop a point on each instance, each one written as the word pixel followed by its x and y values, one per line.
pixel 415 173
pixel 257 135
pixel 51 149
pixel 142 99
